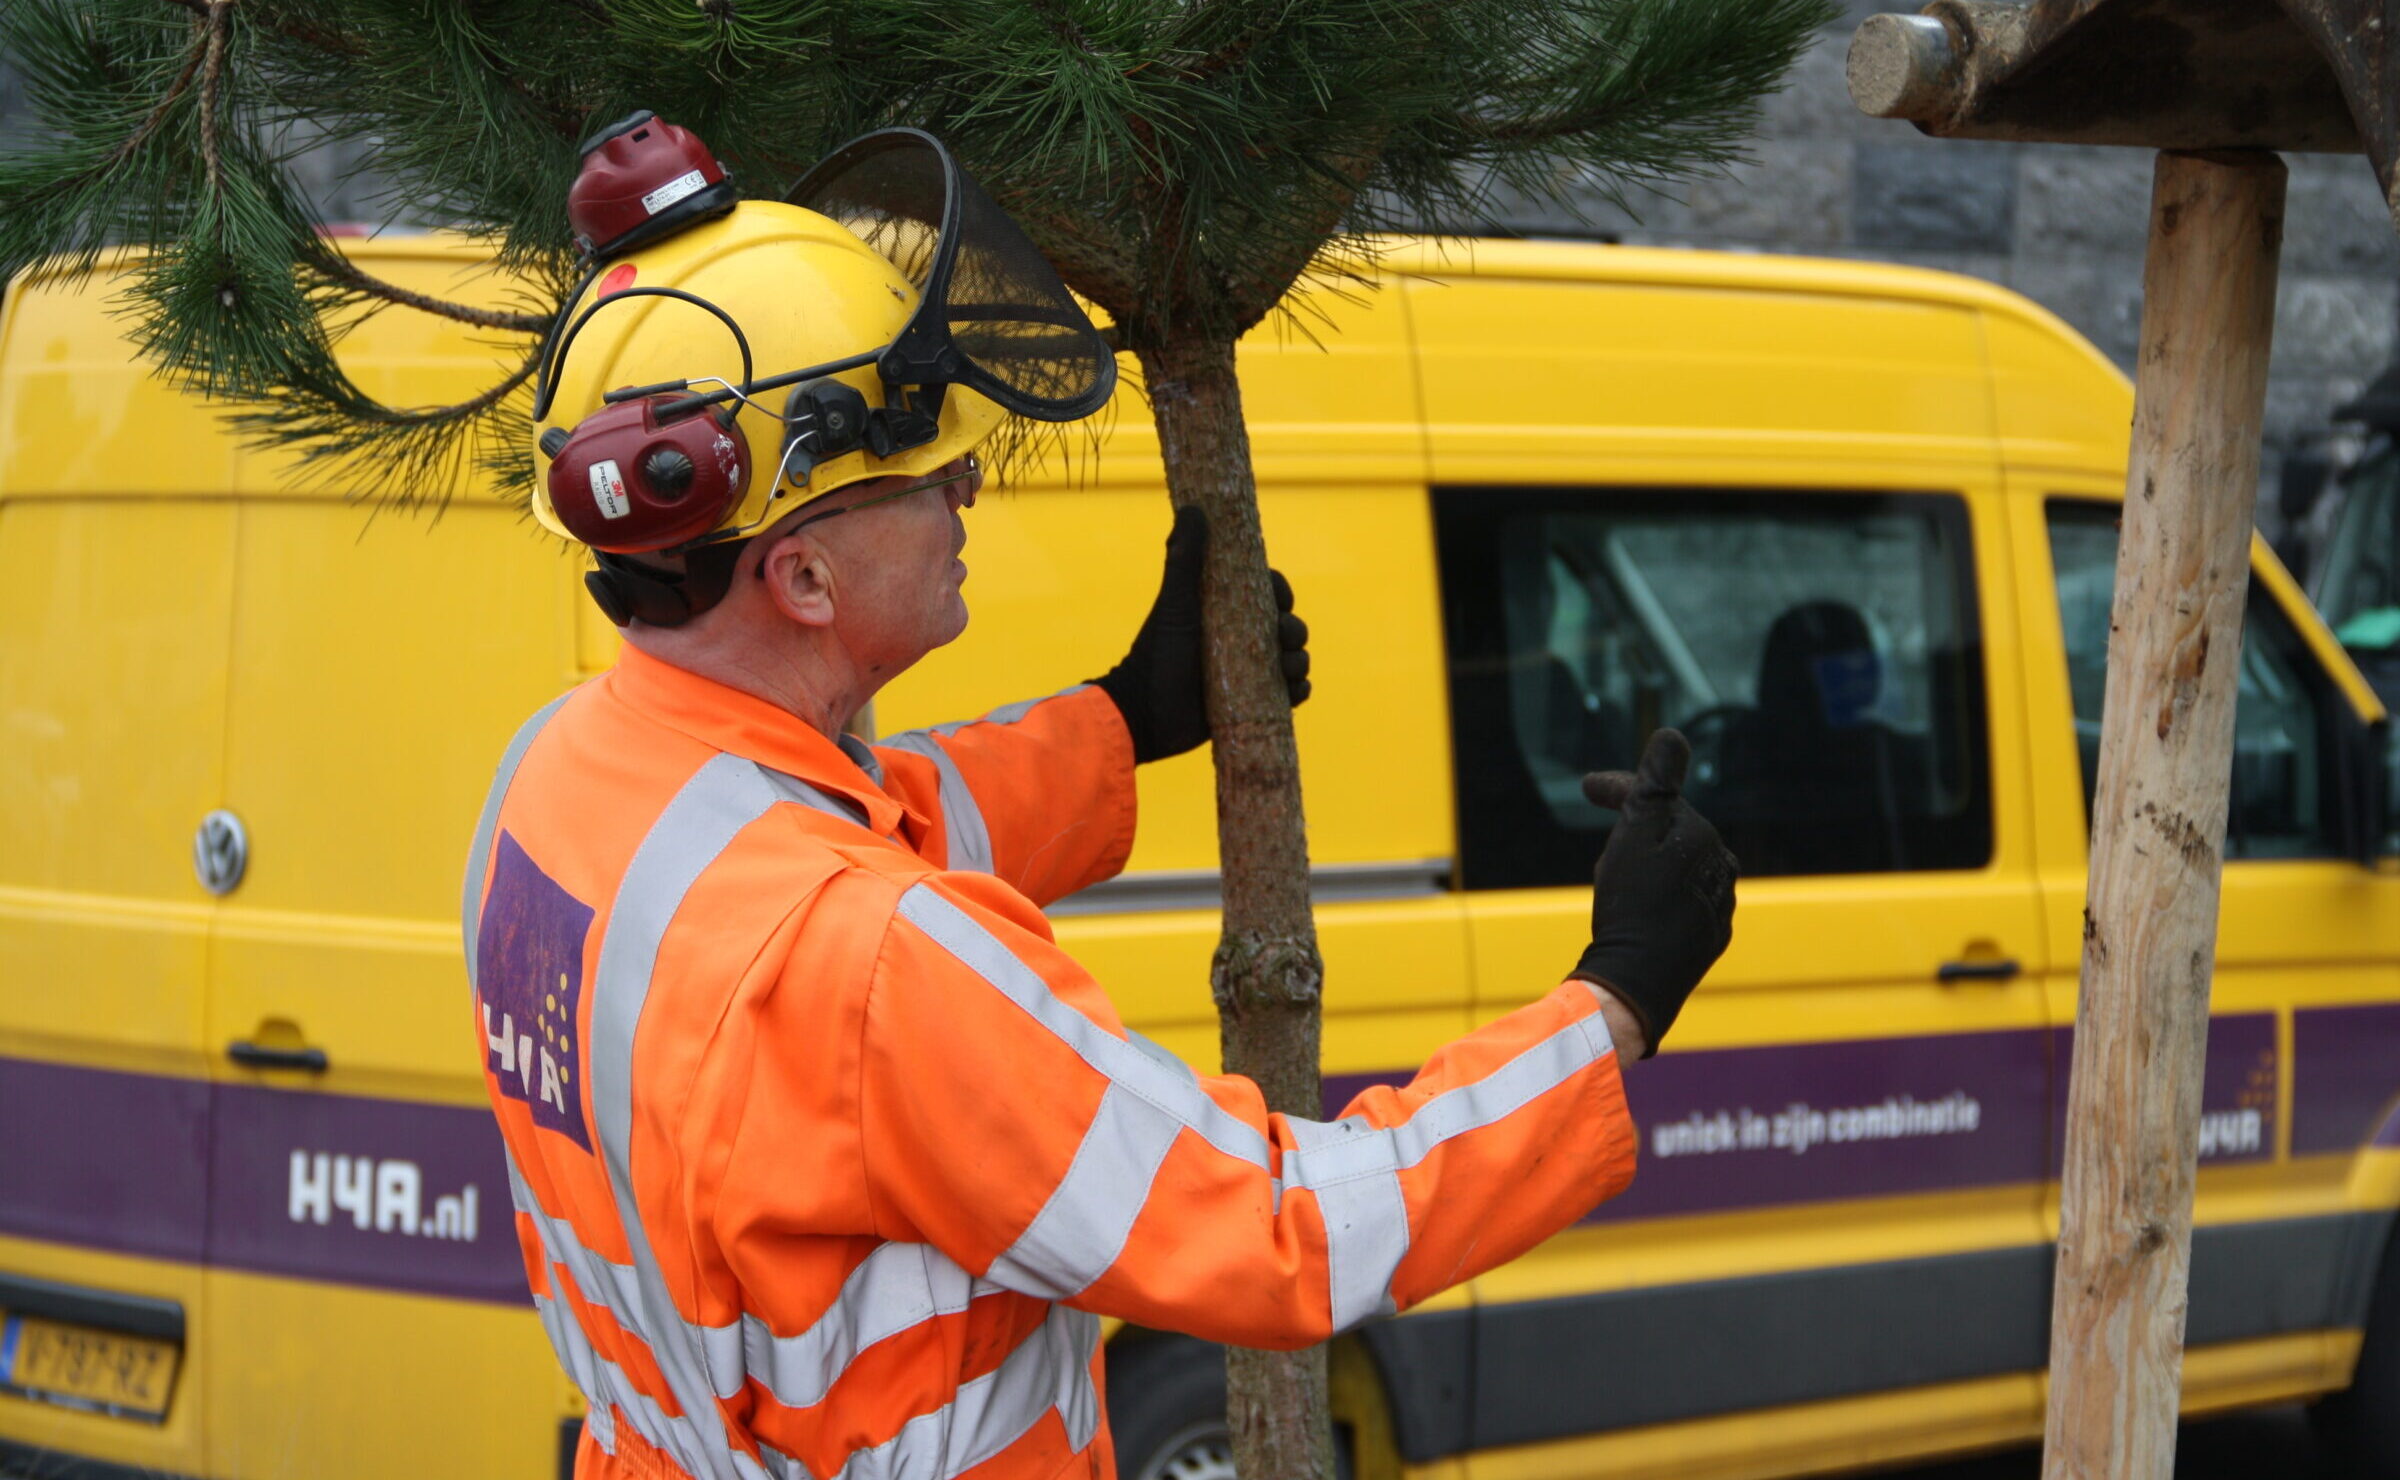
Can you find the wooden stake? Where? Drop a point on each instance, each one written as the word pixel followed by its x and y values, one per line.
pixel 2166 753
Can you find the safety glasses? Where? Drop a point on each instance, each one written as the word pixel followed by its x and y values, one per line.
pixel 966 470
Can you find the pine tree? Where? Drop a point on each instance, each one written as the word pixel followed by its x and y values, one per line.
pixel 1182 162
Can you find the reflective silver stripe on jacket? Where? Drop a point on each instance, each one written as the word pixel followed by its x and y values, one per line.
pixel 702 1363
pixel 962 819
pixel 1366 1221
pixel 1122 1063
pixel 1152 1098
pixel 607 1391
pixel 1354 1167
pixel 1051 1370
pixel 722 798
pixel 898 1286
pixel 1006 714
pixel 895 1287
pixel 1083 1226
pixel 487 827
pixel 1351 1166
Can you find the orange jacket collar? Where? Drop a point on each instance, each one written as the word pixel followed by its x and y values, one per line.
pixel 741 724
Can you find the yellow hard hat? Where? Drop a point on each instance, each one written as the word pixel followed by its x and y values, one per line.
pixel 668 417
pixel 762 289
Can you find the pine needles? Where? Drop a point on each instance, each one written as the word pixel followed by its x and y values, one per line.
pixel 1183 165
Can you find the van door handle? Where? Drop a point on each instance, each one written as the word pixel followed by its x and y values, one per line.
pixel 1987 969
pixel 258 1056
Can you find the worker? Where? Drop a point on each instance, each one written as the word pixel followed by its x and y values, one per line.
pixel 826 1159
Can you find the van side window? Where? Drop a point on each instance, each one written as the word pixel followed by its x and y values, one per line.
pixel 2358 590
pixel 2282 804
pixel 1821 651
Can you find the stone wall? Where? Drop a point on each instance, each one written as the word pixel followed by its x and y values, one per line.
pixel 2063 225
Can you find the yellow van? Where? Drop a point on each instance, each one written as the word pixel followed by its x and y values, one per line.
pixel 1848 525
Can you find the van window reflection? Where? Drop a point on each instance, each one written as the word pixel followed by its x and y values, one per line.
pixel 2358 589
pixel 1820 651
pixel 2280 806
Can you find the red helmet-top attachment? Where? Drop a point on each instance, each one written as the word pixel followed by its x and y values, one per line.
pixel 643 178
pixel 623 482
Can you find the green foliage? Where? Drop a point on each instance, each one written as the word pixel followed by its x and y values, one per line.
pixel 1182 163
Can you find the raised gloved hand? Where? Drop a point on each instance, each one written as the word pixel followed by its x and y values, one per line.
pixel 1662 893
pixel 1158 687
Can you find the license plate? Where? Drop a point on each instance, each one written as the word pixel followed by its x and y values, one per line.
pixel 78 1367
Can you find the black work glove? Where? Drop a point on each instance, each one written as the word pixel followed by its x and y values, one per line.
pixel 1662 893
pixel 1158 687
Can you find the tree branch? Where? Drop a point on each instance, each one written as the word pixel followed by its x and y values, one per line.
pixel 342 270
pixel 1063 26
pixel 158 113
pixel 1202 68
pixel 290 30
pixel 1257 293
pixel 1537 130
pixel 210 75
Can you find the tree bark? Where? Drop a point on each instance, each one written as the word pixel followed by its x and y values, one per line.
pixel 2166 749
pixel 1267 976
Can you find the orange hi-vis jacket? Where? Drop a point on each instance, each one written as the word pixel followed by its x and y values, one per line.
pixel 827 1160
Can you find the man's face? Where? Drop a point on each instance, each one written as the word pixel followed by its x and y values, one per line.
pixel 896 569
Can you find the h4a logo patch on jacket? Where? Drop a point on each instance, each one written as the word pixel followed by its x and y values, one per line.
pixel 529 970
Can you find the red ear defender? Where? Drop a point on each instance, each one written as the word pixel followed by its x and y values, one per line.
pixel 643 178
pixel 623 482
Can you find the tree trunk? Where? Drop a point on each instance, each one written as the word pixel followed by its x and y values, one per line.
pixel 2158 833
pixel 1267 976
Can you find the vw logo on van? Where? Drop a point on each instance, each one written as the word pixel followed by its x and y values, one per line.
pixel 220 851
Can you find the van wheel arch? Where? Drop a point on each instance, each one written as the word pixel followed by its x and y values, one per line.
pixel 1166 1409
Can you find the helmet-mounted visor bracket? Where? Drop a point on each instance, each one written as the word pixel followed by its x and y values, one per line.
pixel 991 314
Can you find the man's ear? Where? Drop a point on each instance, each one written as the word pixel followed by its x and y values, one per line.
pixel 799 578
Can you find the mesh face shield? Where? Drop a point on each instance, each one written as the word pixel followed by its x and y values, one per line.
pixel 991 314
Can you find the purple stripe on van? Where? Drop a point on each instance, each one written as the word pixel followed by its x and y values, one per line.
pixel 103 1159
pixel 2237 1091
pixel 387 1193
pixel 1761 1127
pixel 1810 1122
pixel 2345 1077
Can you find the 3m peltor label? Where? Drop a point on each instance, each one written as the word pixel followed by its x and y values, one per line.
pixel 608 490
pixel 674 190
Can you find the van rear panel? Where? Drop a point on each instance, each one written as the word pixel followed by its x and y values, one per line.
pixel 112 700
pixel 233 1259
